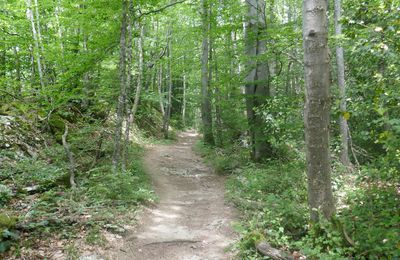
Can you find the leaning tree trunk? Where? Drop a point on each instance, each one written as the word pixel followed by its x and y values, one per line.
pixel 122 94
pixel 317 108
pixel 206 107
pixel 257 87
pixel 344 156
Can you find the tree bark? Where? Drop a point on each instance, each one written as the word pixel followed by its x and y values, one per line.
pixel 184 101
pixel 140 72
pixel 122 94
pixel 128 110
pixel 257 87
pixel 167 114
pixel 317 108
pixel 206 106
pixel 344 156
pixel 159 87
pixel 36 51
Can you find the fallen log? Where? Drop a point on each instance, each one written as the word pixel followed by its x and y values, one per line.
pixel 266 249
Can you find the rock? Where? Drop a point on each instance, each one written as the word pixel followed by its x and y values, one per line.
pixel 91 257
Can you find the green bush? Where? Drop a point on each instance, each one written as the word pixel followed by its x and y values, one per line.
pixel 5 194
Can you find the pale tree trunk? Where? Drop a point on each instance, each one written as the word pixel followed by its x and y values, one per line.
pixel 184 100
pixel 57 13
pixel 39 34
pixel 36 51
pixel 128 110
pixel 167 114
pixel 344 157
pixel 122 94
pixel 18 68
pixel 317 108
pixel 159 88
pixel 206 106
pixel 139 87
pixel 257 87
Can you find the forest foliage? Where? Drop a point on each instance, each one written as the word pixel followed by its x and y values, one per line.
pixel 60 68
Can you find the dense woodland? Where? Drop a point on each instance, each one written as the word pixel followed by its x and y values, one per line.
pixel 298 103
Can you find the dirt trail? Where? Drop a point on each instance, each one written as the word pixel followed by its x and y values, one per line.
pixel 191 221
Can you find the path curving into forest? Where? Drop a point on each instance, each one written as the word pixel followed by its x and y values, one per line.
pixel 192 220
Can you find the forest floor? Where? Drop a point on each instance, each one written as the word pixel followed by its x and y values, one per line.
pixel 191 220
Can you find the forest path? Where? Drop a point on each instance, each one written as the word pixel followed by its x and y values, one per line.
pixel 192 221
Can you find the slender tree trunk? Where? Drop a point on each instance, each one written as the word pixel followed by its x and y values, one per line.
pixel 128 110
pixel 257 87
pixel 184 100
pixel 167 114
pixel 18 68
pixel 159 87
pixel 122 94
pixel 39 34
pixel 344 157
pixel 206 106
pixel 57 13
pixel 36 49
pixel 140 72
pixel 317 108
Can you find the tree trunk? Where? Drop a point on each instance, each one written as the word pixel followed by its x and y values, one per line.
pixel 36 50
pixel 344 156
pixel 128 110
pixel 122 94
pixel 167 114
pixel 206 107
pixel 257 87
pixel 317 108
pixel 184 101
pixel 159 87
pixel 140 72
pixel 57 13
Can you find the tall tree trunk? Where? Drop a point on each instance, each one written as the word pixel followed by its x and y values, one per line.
pixel 122 94
pixel 57 13
pixel 140 28
pixel 317 108
pixel 184 100
pixel 128 110
pixel 206 107
pixel 159 87
pixel 18 69
pixel 167 114
pixel 39 34
pixel 344 156
pixel 257 87
pixel 36 50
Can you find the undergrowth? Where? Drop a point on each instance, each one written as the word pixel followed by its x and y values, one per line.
pixel 37 203
pixel 273 200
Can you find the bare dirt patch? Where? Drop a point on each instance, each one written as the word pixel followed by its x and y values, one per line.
pixel 191 220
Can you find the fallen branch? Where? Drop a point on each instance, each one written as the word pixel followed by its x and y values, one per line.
pixel 266 249
pixel 72 165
